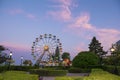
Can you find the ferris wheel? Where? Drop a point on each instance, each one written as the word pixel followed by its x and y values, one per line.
pixel 44 47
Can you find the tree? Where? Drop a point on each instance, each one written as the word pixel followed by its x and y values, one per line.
pixel 57 54
pixel 2 48
pixel 3 56
pixel 27 62
pixel 66 55
pixel 85 59
pixel 95 47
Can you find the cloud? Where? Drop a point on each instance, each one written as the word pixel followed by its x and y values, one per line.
pixel 80 47
pixel 15 11
pixel 15 46
pixel 108 36
pixel 82 27
pixel 63 12
pixel 22 12
pixel 82 21
pixel 30 16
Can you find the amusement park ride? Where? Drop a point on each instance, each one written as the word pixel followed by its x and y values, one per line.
pixel 46 50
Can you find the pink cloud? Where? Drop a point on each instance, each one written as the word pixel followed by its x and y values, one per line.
pixel 80 47
pixel 30 16
pixel 15 46
pixel 82 21
pixel 65 2
pixel 64 15
pixel 82 27
pixel 22 12
pixel 16 11
pixel 108 36
pixel 64 12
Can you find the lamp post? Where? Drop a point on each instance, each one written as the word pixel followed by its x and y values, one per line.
pixel 21 60
pixel 9 61
pixel 10 55
pixel 115 55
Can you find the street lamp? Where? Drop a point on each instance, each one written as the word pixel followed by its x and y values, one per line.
pixel 115 55
pixel 21 60
pixel 9 61
pixel 10 55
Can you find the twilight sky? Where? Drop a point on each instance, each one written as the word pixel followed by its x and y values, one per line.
pixel 75 22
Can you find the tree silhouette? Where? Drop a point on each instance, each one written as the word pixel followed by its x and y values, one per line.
pixel 3 56
pixel 57 54
pixel 2 48
pixel 95 47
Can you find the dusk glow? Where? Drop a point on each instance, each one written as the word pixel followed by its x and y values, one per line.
pixel 74 22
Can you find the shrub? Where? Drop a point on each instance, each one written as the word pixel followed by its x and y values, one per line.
pixel 111 69
pixel 17 75
pixel 3 68
pixel 79 70
pixel 84 59
pixel 99 74
pixel 69 78
pixel 16 68
pixel 47 72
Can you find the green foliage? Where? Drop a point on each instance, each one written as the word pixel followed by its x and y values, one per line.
pixel 111 69
pixel 17 75
pixel 17 68
pixel 63 78
pixel 3 56
pixel 66 55
pixel 96 74
pixel 2 48
pixel 69 78
pixel 27 62
pixel 79 70
pixel 85 59
pixel 47 72
pixel 99 74
pixel 95 46
pixel 3 68
pixel 57 54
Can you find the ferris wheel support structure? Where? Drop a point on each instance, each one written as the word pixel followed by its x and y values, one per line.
pixel 44 48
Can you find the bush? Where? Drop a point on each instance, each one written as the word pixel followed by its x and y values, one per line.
pixel 84 59
pixel 16 68
pixel 99 74
pixel 111 69
pixel 17 75
pixel 3 68
pixel 79 70
pixel 47 72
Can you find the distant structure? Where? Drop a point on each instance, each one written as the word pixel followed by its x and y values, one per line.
pixel 118 42
pixel 46 50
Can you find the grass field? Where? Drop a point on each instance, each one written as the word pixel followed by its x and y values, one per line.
pixel 69 78
pixel 96 74
pixel 17 75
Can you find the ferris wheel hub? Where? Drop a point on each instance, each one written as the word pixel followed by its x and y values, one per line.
pixel 46 48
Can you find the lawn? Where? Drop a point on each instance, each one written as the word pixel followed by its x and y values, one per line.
pixel 96 74
pixel 17 75
pixel 69 78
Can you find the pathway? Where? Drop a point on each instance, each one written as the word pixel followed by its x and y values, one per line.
pixel 68 74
